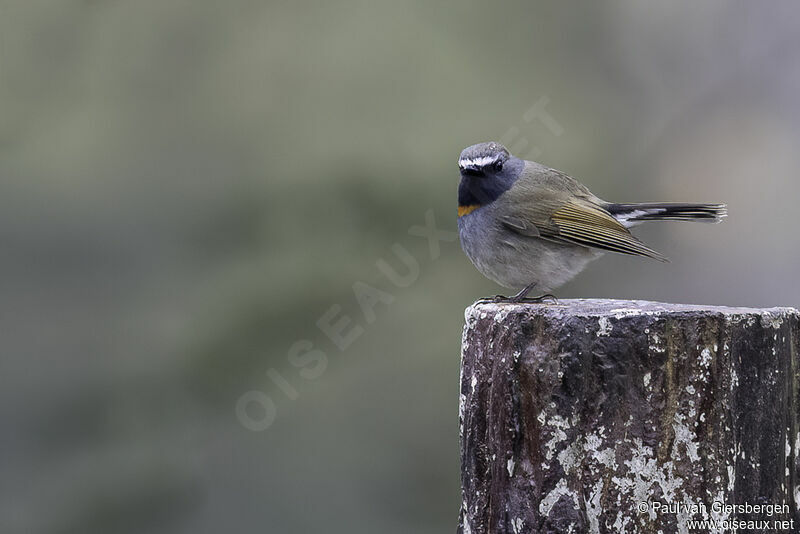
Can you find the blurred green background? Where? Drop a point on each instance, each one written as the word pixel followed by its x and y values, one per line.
pixel 188 186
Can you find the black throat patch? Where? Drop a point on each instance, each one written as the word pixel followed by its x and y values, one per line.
pixel 484 189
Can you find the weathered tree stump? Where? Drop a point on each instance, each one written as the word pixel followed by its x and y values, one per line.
pixel 629 416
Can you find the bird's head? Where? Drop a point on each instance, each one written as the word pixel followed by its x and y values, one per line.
pixel 483 160
pixel 487 171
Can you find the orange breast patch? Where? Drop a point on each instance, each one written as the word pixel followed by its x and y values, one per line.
pixel 466 210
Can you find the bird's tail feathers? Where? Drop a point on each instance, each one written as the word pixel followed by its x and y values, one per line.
pixel 630 214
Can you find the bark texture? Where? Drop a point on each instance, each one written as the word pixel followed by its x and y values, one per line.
pixel 573 415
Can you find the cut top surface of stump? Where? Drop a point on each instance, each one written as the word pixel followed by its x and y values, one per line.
pixel 618 308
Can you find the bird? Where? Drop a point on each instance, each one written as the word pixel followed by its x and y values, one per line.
pixel 526 226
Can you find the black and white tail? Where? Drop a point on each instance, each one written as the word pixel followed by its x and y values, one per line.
pixel 631 214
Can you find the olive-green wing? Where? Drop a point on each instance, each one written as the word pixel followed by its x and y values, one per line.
pixel 592 226
pixel 545 211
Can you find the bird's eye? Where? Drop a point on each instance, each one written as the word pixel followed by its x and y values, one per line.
pixel 497 166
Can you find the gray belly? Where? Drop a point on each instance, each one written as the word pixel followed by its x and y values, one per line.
pixel 514 261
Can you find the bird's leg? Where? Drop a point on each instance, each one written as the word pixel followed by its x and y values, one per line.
pixel 519 297
pixel 522 297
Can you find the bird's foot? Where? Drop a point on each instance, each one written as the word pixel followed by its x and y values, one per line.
pixel 516 299
pixel 495 299
pixel 542 299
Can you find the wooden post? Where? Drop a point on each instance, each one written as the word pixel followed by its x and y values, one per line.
pixel 628 416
